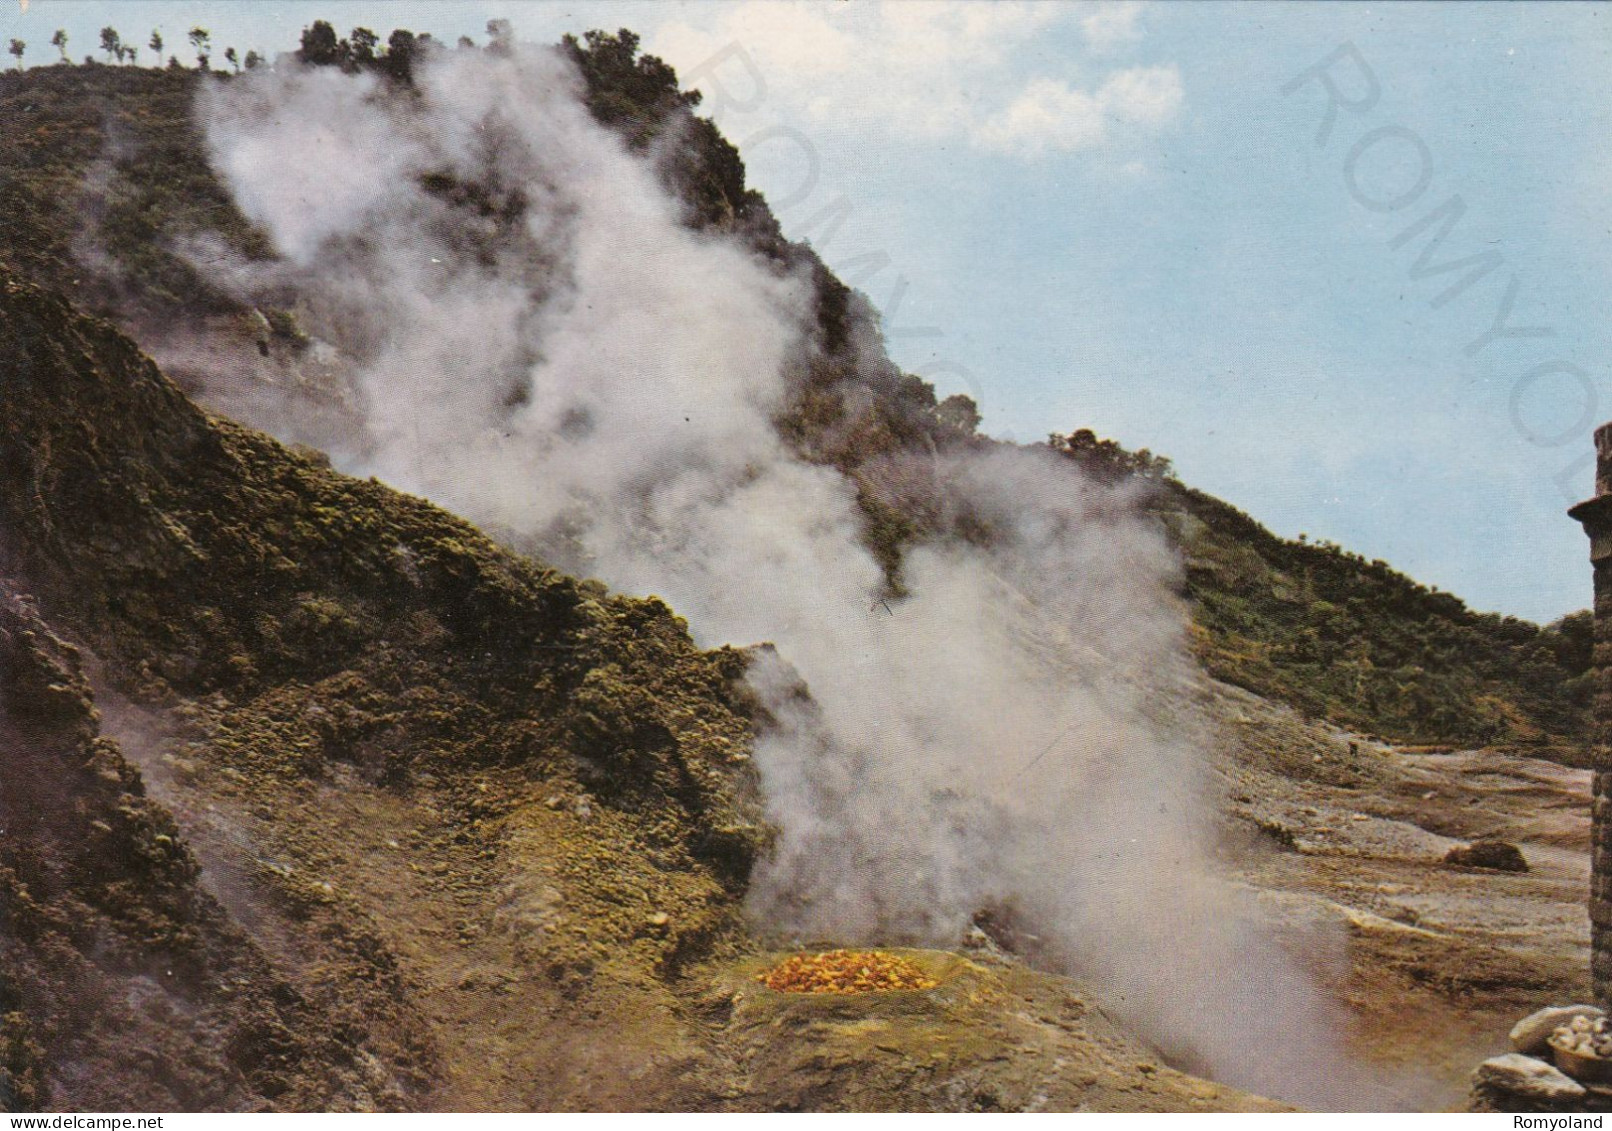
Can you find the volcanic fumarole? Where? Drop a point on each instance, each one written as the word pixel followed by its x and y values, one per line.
pixel 573 366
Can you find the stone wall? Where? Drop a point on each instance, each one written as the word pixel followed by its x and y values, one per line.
pixel 1596 515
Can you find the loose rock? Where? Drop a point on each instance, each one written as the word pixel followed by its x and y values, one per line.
pixel 1529 1036
pixel 1527 1077
pixel 1498 855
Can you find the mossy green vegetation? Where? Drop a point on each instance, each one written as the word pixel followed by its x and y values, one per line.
pixel 202 558
pixel 1355 641
pixel 102 177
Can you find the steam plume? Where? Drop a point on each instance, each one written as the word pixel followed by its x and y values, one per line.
pixel 533 339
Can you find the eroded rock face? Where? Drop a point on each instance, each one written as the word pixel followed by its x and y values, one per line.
pixel 1530 1035
pixel 295 629
pixel 1529 1078
pixel 122 983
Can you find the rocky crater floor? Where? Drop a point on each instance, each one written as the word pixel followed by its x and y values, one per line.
pixel 1440 959
pixel 526 982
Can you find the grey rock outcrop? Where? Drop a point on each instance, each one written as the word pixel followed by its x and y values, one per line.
pixel 1529 1078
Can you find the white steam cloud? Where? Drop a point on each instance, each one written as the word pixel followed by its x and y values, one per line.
pixel 532 338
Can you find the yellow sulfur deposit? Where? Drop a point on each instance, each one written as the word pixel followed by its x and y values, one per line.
pixel 845 972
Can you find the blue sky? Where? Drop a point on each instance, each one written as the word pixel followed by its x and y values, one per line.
pixel 1111 216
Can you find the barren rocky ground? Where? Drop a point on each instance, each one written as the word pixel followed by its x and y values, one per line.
pixel 518 992
pixel 512 989
pixel 1440 960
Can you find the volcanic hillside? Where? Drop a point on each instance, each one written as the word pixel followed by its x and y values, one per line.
pixel 317 796
pixel 106 194
pixel 416 822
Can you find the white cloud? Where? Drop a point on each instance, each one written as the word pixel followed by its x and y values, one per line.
pixel 1145 96
pixel 1109 26
pixel 1052 115
pixel 1005 78
pixel 1049 114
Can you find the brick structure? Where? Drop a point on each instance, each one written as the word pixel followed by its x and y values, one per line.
pixel 1596 515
